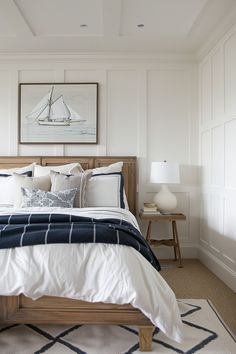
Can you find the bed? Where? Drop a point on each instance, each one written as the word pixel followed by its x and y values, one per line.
pixel 40 305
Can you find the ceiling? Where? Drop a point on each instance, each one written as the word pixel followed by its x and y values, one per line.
pixel 178 26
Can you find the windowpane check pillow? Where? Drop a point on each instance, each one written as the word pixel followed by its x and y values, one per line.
pixel 105 190
pixel 39 198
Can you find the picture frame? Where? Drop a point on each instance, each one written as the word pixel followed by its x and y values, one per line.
pixel 58 113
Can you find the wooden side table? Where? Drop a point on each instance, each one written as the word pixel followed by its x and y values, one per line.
pixel 171 242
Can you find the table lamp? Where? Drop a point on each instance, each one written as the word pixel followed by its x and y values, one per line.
pixel 163 172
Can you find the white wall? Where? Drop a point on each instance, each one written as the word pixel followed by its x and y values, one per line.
pixel 218 158
pixel 147 108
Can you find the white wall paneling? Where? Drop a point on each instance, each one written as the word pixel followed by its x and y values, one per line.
pixel 122 112
pixel 171 135
pixel 204 218
pixel 217 156
pixel 228 246
pixel 5 110
pixel 230 147
pixel 206 87
pixel 142 136
pixel 230 73
pixel 147 108
pixel 217 72
pixel 217 77
pixel 205 168
pixel 168 124
pixel 216 222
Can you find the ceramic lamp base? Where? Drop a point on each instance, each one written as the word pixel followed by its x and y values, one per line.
pixel 165 200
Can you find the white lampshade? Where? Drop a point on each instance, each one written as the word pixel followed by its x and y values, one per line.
pixel 163 172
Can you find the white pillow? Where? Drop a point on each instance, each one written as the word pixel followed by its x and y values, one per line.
pixel 7 191
pixel 7 184
pixel 21 181
pixel 10 171
pixel 105 190
pixel 115 167
pixel 70 169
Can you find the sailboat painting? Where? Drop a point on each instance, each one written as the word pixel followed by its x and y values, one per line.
pixel 58 113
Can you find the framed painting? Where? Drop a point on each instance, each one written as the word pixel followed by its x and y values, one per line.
pixel 58 113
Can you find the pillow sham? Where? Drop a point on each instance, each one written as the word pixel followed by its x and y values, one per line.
pixel 70 169
pixel 105 190
pixel 20 170
pixel 8 188
pixel 113 168
pixel 39 198
pixel 61 182
pixel 43 183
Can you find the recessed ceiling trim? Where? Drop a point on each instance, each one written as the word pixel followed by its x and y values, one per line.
pixel 34 26
pixel 12 11
pixel 70 35
pixel 111 17
pixel 92 57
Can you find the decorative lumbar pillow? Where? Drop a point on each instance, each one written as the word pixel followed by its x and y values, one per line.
pixel 43 183
pixel 39 198
pixel 8 186
pixel 105 190
pixel 68 169
pixel 61 181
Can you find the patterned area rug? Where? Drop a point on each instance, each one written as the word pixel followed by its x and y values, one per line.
pixel 204 332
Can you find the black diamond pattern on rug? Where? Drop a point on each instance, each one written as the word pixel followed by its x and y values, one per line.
pixel 90 339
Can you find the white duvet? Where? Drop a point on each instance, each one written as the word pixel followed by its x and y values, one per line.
pixel 91 272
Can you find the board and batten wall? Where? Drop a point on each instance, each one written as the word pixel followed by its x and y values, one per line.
pixel 147 108
pixel 217 92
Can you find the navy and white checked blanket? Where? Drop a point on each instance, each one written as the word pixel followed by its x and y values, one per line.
pixel 18 230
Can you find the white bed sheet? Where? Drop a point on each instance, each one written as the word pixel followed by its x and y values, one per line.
pixel 90 272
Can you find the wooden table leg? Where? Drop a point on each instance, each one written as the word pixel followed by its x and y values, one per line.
pixel 148 236
pixel 177 243
pixel 173 233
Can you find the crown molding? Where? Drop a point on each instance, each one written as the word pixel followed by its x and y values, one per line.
pixel 90 57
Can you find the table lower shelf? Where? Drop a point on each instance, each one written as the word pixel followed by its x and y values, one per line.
pixel 166 242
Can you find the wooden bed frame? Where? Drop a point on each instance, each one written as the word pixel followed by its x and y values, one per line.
pixel 56 310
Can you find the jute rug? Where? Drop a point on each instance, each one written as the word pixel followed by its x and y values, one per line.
pixel 204 332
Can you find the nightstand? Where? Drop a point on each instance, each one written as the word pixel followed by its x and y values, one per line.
pixel 171 242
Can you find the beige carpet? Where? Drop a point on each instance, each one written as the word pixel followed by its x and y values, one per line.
pixel 198 282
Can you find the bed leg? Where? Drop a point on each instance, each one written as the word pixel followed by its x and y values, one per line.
pixel 145 338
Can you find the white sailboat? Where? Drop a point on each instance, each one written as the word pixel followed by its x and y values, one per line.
pixel 51 111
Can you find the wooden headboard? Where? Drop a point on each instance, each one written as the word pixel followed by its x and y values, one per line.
pixel 129 168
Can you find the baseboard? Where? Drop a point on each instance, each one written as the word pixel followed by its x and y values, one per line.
pixel 187 251
pixel 227 275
